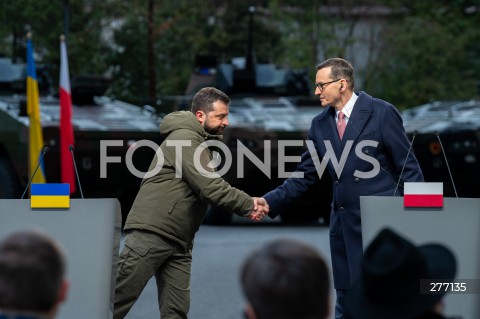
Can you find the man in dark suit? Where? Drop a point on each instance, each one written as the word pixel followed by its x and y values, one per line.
pixel 364 144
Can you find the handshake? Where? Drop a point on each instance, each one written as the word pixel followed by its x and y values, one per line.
pixel 260 209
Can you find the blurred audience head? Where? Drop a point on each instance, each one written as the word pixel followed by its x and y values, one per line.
pixel 32 274
pixel 286 279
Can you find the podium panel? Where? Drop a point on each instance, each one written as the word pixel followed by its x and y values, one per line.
pixel 89 232
pixel 455 225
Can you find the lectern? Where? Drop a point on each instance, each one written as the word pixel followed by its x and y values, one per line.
pixel 455 225
pixel 89 232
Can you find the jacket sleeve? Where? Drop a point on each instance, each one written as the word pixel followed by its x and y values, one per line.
pixel 209 185
pixel 296 185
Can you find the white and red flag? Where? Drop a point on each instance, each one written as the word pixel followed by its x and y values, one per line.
pixel 423 195
pixel 66 128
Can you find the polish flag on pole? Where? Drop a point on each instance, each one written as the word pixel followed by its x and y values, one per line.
pixel 66 128
pixel 423 195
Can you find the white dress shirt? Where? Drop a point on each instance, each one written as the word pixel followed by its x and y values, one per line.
pixel 348 108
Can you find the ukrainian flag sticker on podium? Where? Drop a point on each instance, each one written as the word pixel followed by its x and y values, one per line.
pixel 50 196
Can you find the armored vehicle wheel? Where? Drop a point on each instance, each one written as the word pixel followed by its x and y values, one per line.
pixel 9 184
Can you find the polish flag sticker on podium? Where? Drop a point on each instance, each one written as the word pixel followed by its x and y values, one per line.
pixel 423 195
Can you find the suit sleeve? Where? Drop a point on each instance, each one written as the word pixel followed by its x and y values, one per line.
pixel 295 186
pixel 398 146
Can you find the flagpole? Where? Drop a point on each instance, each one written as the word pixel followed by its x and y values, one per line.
pixel 66 18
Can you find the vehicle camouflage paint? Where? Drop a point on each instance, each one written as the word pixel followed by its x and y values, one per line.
pixel 95 118
pixel 455 125
pixel 268 103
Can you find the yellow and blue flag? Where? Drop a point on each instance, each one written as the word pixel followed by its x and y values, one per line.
pixel 33 111
pixel 50 195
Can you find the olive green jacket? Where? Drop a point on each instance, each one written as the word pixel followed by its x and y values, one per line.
pixel 173 202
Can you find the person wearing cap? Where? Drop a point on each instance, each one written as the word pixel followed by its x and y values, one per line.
pixel 389 286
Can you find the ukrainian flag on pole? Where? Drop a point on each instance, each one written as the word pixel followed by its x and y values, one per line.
pixel 33 111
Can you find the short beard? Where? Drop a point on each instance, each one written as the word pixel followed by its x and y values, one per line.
pixel 213 130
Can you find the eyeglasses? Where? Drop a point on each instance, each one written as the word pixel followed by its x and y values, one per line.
pixel 322 86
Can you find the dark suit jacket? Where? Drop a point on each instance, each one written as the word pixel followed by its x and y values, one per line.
pixel 371 120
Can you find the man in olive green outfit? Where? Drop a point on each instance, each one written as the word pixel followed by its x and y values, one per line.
pixel 171 205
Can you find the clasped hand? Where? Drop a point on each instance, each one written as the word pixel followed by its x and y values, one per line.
pixel 260 209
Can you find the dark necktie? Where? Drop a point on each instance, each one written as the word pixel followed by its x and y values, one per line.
pixel 341 124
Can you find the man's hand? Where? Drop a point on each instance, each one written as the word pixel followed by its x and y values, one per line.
pixel 260 209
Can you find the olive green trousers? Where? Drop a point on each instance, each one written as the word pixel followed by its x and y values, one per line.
pixel 145 255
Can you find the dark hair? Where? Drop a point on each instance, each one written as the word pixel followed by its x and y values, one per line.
pixel 341 69
pixel 204 99
pixel 32 269
pixel 286 279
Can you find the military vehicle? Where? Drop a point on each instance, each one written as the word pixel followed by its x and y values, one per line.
pixel 447 140
pixel 269 103
pixel 95 118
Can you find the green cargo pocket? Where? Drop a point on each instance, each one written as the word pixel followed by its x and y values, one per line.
pixel 136 245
